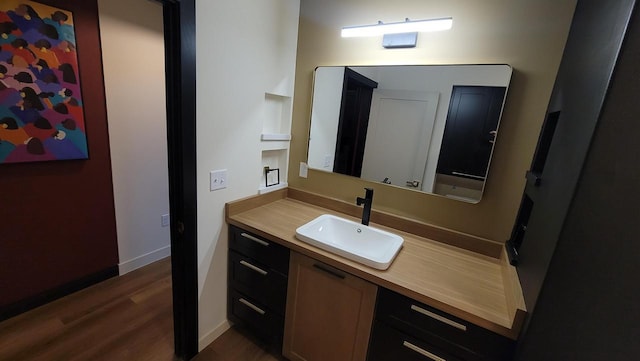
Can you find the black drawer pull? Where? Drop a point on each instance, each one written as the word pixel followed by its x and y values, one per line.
pixel 254 268
pixel 252 306
pixel 437 317
pixel 421 351
pixel 329 270
pixel 257 240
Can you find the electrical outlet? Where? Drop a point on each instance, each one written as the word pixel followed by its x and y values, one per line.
pixel 218 179
pixel 304 169
pixel 164 220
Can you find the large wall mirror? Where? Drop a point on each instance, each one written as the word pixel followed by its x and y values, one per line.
pixel 429 128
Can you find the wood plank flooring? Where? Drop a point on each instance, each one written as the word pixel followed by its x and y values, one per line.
pixel 123 318
pixel 235 345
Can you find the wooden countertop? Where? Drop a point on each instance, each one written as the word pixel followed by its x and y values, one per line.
pixel 478 288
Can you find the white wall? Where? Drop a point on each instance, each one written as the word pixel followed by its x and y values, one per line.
pixel 244 49
pixel 133 60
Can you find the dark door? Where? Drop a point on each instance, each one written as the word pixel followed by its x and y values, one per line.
pixel 469 133
pixel 357 92
pixel 180 59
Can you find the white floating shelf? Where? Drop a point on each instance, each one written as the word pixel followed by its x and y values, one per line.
pixel 275 146
pixel 275 137
pixel 278 94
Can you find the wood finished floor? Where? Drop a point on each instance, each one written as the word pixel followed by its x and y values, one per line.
pixel 123 318
pixel 235 345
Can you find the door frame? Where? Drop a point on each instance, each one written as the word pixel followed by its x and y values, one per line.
pixel 180 70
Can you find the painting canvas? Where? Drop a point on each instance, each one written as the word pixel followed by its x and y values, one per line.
pixel 41 110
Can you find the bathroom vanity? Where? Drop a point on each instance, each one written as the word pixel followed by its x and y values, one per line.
pixel 435 302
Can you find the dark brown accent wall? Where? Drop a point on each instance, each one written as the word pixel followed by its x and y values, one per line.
pixel 57 219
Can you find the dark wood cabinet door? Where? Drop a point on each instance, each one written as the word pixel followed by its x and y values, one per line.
pixel 257 285
pixel 389 344
pixel 438 330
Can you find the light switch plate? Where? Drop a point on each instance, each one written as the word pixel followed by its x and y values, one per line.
pixel 164 220
pixel 218 179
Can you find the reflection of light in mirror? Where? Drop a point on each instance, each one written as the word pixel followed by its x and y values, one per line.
pixel 403 137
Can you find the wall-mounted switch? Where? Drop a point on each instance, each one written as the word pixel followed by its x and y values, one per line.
pixel 218 179
pixel 164 220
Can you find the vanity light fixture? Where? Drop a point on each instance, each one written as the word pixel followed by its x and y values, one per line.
pixel 407 26
pixel 398 35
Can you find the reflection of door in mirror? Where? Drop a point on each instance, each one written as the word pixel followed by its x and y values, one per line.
pixel 399 137
pixel 390 141
pixel 357 92
pixel 470 130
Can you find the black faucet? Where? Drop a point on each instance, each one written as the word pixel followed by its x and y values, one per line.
pixel 367 200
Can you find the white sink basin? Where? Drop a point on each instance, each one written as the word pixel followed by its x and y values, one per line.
pixel 370 246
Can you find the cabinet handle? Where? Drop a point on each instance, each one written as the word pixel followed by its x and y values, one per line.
pixel 252 267
pixel 257 240
pixel 329 270
pixel 439 318
pixel 421 351
pixel 252 306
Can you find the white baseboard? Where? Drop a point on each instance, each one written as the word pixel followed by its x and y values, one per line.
pixel 145 259
pixel 212 335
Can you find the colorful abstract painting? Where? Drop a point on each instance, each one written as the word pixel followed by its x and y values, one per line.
pixel 41 113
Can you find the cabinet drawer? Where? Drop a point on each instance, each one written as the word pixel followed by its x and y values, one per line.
pixel 259 249
pixel 447 332
pixel 389 344
pixel 258 281
pixel 255 316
